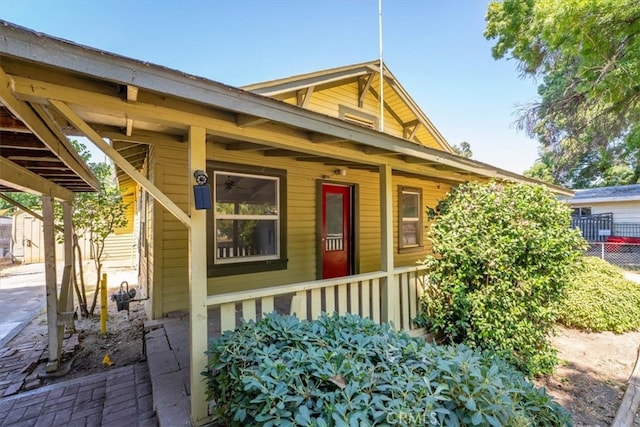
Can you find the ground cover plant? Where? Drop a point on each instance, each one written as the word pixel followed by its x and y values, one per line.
pixel 599 298
pixel 350 371
pixel 501 255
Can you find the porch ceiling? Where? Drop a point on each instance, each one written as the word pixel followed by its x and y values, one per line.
pixel 30 164
pixel 163 104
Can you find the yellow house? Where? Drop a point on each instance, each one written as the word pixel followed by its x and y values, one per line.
pixel 316 185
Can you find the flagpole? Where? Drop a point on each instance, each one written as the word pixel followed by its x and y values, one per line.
pixel 381 66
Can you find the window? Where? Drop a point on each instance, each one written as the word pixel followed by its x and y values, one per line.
pixel 245 228
pixel 581 211
pixel 410 218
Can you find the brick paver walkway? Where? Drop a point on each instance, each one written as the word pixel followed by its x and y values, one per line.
pixel 120 397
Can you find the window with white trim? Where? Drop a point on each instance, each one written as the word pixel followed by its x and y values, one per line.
pixel 245 228
pixel 410 218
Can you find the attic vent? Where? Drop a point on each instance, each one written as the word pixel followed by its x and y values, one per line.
pixel 357 117
pixel 359 120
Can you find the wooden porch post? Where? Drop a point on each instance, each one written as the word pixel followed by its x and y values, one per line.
pixel 197 279
pixel 66 290
pixel 51 286
pixel 389 294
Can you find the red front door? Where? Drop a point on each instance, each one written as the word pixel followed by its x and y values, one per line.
pixel 337 246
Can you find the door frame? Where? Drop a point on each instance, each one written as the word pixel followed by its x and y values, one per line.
pixel 354 261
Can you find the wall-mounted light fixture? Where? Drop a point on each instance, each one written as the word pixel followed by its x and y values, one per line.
pixel 340 171
pixel 201 191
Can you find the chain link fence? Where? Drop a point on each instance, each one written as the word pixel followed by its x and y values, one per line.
pixel 625 255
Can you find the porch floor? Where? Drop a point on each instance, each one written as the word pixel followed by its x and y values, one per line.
pixel 167 351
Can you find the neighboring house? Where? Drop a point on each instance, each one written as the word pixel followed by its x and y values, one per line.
pixel 27 234
pixel 6 244
pixel 606 212
pixel 316 201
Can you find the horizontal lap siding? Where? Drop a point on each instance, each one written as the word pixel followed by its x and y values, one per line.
pixel 327 101
pixel 129 194
pixel 171 275
pixel 623 212
pixel 432 193
pixel 369 221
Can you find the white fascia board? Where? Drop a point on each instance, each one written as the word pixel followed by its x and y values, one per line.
pixel 604 200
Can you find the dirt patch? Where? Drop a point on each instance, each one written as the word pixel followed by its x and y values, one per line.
pixel 122 343
pixel 85 350
pixel 593 374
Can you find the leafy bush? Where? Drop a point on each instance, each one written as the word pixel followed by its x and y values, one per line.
pixel 599 298
pixel 350 371
pixel 501 254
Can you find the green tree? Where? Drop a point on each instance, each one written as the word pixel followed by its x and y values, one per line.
pixel 463 149
pixel 587 53
pixel 501 255
pixel 97 215
pixel 31 201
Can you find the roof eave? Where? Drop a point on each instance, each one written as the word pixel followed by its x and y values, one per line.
pixel 35 47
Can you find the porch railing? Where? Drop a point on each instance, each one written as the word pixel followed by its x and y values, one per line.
pixel 364 294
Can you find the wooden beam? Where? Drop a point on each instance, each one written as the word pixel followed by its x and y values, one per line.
pixel 132 93
pixel 387 108
pixel 631 398
pixel 303 96
pixel 158 195
pixel 22 141
pixel 294 84
pixel 61 147
pixel 364 84
pixel 319 138
pixel 14 176
pixel 378 151
pixel 390 294
pixel 26 209
pixel 281 153
pixel 10 123
pixel 132 96
pixel 413 132
pixel 245 146
pixel 414 160
pixel 197 281
pixel 138 136
pixel 245 120
pixel 65 302
pixel 51 286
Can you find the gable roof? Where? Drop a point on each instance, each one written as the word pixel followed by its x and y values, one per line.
pixel 398 104
pixel 128 100
pixel 619 193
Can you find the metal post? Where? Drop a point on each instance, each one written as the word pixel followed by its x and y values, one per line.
pixel 103 304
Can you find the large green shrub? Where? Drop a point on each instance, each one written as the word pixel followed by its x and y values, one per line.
pixel 349 371
pixel 599 298
pixel 497 275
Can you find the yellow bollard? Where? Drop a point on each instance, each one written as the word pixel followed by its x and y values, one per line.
pixel 103 304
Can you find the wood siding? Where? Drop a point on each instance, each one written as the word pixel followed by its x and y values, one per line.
pixel 328 100
pixel 129 198
pixel 168 258
pixel 170 237
pixel 623 212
